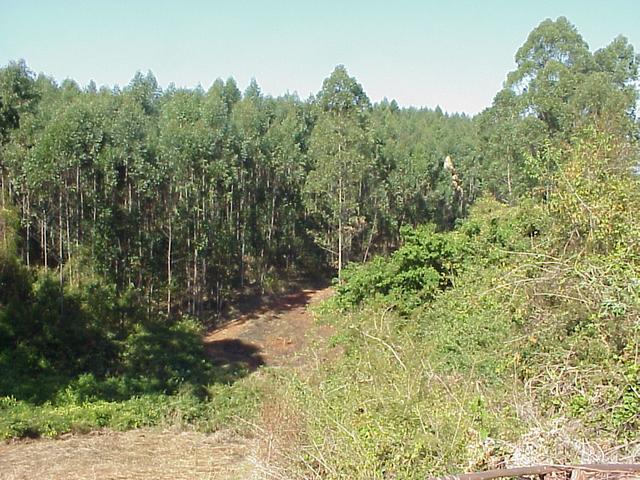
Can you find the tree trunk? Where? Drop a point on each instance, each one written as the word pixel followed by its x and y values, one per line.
pixel 28 242
pixel 44 240
pixel 60 237
pixel 2 182
pixel 196 285
pixel 340 229
pixel 509 180
pixel 79 208
pixel 373 229
pixel 169 270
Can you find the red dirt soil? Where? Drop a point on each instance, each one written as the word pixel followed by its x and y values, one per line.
pixel 276 333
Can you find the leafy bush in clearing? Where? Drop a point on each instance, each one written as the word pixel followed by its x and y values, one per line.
pixel 428 261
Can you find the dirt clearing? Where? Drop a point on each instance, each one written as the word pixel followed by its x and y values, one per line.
pixel 274 334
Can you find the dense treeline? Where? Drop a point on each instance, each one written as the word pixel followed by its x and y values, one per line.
pixel 186 194
pixel 557 89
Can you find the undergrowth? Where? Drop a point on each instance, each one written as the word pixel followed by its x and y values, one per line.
pixel 513 339
pixel 80 355
pixel 184 409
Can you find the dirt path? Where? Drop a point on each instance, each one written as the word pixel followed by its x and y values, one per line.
pixel 275 334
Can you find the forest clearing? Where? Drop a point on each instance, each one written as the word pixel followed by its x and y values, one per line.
pixel 224 283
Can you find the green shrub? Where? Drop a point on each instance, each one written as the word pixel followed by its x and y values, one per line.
pixel 422 266
pixel 428 261
pixel 75 410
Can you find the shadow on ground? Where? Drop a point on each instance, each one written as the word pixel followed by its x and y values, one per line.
pixel 253 305
pixel 233 353
pixel 265 330
pixel 274 306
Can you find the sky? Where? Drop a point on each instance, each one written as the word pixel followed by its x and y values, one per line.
pixel 454 54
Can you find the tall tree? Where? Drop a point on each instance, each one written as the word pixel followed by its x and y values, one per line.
pixel 557 87
pixel 341 150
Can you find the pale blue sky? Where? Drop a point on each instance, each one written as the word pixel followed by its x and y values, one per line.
pixel 424 53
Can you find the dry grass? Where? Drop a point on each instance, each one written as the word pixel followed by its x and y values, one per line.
pixel 560 440
pixel 278 436
pixel 138 454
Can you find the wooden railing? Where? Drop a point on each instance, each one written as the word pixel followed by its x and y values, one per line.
pixel 605 470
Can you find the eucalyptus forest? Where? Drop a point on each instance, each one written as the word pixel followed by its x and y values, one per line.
pixel 474 259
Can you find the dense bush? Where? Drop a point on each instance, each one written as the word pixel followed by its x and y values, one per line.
pixel 428 261
pixel 77 409
pixel 414 273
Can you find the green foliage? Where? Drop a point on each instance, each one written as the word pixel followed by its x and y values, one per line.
pixel 606 223
pixel 428 261
pixel 17 96
pixel 54 334
pixel 163 357
pixel 533 324
pixel 343 162
pixel 79 411
pixel 422 266
pixel 85 356
pixel 557 89
pixel 15 281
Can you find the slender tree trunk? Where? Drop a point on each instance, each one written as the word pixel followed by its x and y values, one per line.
pixel 60 237
pixel 28 242
pixel 373 229
pixel 187 271
pixel 196 285
pixel 80 207
pixel 140 256
pixel 95 215
pixel 273 217
pixel 130 196
pixel 2 183
pixel 44 240
pixel 509 180
pixel 169 278
pixel 67 221
pixel 340 229
pixel 242 247
pixel 205 286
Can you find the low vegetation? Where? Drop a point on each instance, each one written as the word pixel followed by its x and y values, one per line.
pixel 462 345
